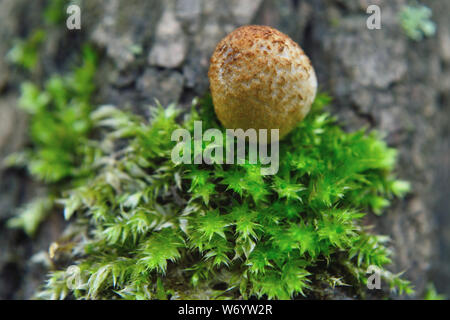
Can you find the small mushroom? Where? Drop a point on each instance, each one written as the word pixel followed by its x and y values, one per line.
pixel 261 79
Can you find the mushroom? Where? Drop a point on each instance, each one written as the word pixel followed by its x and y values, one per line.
pixel 261 79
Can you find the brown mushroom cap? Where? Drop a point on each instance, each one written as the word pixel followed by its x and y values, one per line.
pixel 260 78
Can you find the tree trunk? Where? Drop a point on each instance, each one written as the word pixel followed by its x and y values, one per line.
pixel 161 49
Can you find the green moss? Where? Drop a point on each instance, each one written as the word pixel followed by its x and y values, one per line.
pixel 60 122
pixel 31 216
pixel 416 22
pixel 431 294
pixel 59 129
pixel 148 228
pixel 55 11
pixel 25 52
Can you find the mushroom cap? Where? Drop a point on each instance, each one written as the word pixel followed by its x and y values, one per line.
pixel 261 79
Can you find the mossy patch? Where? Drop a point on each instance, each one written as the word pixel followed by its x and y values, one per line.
pixel 143 227
pixel 416 22
pixel 147 228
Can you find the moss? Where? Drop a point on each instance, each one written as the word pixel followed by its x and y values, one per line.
pixel 155 229
pixel 431 293
pixel 25 52
pixel 416 22
pixel 60 122
pixel 55 12
pixel 31 216
pixel 143 227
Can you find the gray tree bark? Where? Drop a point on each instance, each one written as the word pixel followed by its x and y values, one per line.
pixel 161 49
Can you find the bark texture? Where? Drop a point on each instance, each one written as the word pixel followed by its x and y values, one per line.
pixel 161 49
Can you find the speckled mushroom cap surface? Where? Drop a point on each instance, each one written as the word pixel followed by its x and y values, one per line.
pixel 260 78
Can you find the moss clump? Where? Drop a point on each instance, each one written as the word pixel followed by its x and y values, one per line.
pixel 25 52
pixel 416 22
pixel 55 12
pixel 60 122
pixel 432 294
pixel 145 228
pixel 60 126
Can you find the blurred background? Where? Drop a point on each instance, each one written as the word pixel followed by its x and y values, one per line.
pixel 395 79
